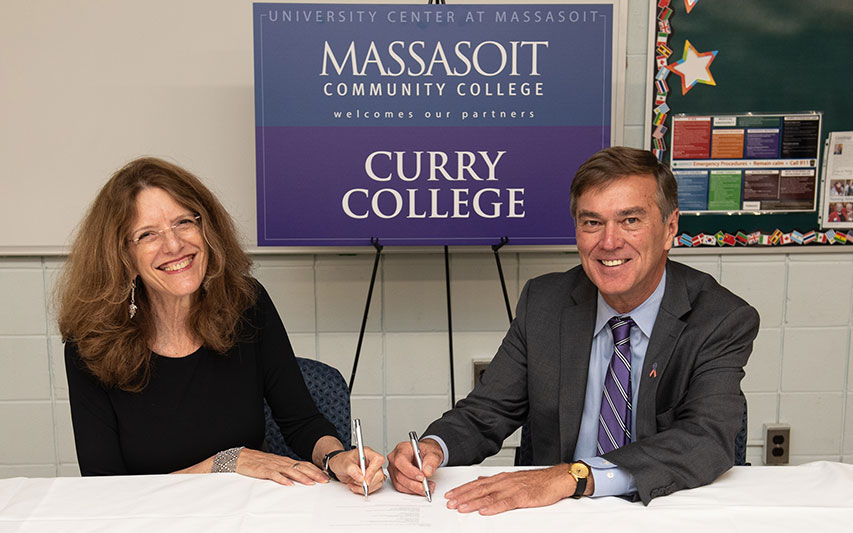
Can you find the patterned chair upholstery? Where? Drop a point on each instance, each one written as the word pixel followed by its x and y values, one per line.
pixel 524 452
pixel 330 393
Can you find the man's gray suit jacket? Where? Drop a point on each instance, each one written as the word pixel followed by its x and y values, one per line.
pixel 688 411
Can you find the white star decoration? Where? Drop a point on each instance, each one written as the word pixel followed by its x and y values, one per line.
pixel 694 67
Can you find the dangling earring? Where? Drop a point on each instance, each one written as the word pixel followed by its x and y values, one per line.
pixel 133 298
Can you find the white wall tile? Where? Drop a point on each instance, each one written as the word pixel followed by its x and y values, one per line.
pixel 415 293
pixel 807 369
pixel 10 471
pixel 635 137
pixel 638 29
pixel 17 263
pixel 761 284
pixel 22 306
pixel 476 295
pixel 467 348
pixel 69 470
pixel 765 363
pixel 636 105
pixel 342 284
pixel 66 451
pixel 848 428
pixel 815 420
pixel 292 292
pixel 27 436
pixel 304 344
pixel 405 414
pixel 50 278
pixel 417 363
pixel 762 410
pixel 707 264
pixel 819 293
pixel 371 411
pixel 57 365
pixel 26 372
pixel 533 265
pixel 803 459
pixel 338 350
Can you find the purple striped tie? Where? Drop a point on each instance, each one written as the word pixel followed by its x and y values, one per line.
pixel 614 422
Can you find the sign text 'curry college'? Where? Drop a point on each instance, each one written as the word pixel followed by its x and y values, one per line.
pixel 427 124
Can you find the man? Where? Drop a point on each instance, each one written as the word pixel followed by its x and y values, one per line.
pixel 641 405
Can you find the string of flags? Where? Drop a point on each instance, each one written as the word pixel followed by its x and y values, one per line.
pixel 757 238
pixel 662 55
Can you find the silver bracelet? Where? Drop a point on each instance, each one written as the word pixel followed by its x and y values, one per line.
pixel 226 460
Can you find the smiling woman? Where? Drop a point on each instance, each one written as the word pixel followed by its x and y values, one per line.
pixel 171 347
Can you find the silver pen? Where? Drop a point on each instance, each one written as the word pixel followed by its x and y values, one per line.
pixel 356 425
pixel 413 436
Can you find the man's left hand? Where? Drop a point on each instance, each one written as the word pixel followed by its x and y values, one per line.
pixel 512 490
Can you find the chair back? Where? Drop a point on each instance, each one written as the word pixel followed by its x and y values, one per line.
pixel 330 393
pixel 524 452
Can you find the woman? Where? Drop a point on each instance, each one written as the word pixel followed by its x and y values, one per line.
pixel 171 347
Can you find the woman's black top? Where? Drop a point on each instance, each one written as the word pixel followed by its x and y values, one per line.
pixel 195 406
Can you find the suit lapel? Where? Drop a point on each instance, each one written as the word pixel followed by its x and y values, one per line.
pixel 576 324
pixel 668 328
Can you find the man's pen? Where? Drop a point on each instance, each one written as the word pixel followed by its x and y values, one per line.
pixel 360 444
pixel 413 436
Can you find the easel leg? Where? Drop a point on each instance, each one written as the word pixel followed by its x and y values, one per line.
pixel 375 243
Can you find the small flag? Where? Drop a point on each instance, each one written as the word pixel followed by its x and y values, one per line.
pixel 830 237
pixel 664 50
pixel 686 240
pixel 754 237
pixel 698 240
pixel 797 237
pixel 741 238
pixel 820 237
pixel 663 108
pixel 663 3
pixel 665 13
pixel 729 239
pixel 786 238
pixel 664 26
pixel 809 237
pixel 709 240
pixel 721 238
pixel 775 236
pixel 660 98
pixel 659 132
pixel 840 238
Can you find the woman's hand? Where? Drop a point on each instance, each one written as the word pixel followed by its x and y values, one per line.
pixel 346 467
pixel 283 470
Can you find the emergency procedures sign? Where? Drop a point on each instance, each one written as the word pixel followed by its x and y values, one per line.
pixel 426 124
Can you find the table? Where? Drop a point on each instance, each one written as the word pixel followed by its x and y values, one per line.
pixel 816 497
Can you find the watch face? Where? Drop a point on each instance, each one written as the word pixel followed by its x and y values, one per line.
pixel 579 470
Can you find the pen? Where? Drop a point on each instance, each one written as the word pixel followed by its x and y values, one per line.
pixel 356 424
pixel 413 436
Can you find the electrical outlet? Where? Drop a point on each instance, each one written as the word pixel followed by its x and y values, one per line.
pixel 479 368
pixel 777 444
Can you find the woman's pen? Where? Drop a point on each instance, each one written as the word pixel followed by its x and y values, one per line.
pixel 356 424
pixel 413 436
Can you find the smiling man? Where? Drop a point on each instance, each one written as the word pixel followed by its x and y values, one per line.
pixel 627 368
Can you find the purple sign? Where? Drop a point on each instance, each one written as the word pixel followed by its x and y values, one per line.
pixel 426 124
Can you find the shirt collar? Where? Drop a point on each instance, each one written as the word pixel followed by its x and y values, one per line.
pixel 644 315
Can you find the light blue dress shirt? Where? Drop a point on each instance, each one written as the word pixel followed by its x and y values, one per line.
pixel 610 479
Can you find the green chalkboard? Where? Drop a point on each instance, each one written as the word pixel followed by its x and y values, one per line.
pixel 774 56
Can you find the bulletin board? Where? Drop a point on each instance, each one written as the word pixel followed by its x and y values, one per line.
pixel 761 56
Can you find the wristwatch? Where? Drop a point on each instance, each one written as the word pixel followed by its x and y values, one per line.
pixel 326 460
pixel 580 471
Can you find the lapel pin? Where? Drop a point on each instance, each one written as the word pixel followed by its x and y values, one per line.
pixel 654 373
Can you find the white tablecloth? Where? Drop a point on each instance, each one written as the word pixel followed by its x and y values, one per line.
pixel 812 498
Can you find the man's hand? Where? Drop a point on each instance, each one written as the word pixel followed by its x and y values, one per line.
pixel 513 490
pixel 403 468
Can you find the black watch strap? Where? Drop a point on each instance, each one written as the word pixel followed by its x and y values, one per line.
pixel 581 472
pixel 326 460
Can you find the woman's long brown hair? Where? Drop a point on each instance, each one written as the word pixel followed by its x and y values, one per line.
pixel 93 292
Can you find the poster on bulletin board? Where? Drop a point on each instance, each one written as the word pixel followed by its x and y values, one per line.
pixel 837 208
pixel 428 124
pixel 753 162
